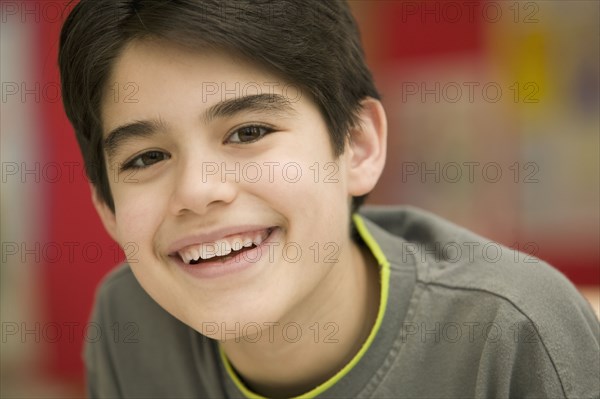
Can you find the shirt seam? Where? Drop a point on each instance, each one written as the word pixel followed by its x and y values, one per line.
pixel 515 306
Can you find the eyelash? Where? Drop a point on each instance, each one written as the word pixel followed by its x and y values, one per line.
pixel 266 130
pixel 131 164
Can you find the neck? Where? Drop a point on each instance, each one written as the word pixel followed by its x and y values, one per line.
pixel 317 340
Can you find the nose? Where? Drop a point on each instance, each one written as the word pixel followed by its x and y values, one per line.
pixel 201 186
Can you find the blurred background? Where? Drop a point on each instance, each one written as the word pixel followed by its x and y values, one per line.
pixel 493 112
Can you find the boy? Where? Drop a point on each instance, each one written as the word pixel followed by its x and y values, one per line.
pixel 229 147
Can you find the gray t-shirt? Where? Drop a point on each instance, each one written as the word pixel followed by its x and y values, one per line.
pixel 464 317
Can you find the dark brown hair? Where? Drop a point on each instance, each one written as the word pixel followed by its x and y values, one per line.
pixel 314 44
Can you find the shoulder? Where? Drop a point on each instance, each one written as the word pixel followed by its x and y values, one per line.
pixel 137 337
pixel 450 256
pixel 120 284
pixel 121 300
pixel 464 277
pixel 117 281
pixel 122 303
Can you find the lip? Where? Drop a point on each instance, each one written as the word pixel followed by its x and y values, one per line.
pixel 246 260
pixel 212 236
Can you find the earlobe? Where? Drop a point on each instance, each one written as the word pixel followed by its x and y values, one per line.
pixel 107 216
pixel 367 148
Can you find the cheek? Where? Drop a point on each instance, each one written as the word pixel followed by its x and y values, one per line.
pixel 138 220
pixel 138 217
pixel 297 187
pixel 311 196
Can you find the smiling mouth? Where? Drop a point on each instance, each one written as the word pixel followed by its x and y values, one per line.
pixel 223 258
pixel 223 249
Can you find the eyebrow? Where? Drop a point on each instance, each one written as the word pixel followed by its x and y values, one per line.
pixel 129 131
pixel 271 103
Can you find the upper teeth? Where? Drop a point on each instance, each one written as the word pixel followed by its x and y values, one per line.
pixel 223 246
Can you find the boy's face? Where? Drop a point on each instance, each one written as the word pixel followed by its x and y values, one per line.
pixel 214 159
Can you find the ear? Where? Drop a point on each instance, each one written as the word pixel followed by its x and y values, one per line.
pixel 106 214
pixel 367 148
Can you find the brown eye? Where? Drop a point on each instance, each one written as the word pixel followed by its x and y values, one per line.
pixel 248 134
pixel 146 159
pixel 152 157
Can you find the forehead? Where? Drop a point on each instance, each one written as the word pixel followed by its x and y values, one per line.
pixel 152 78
